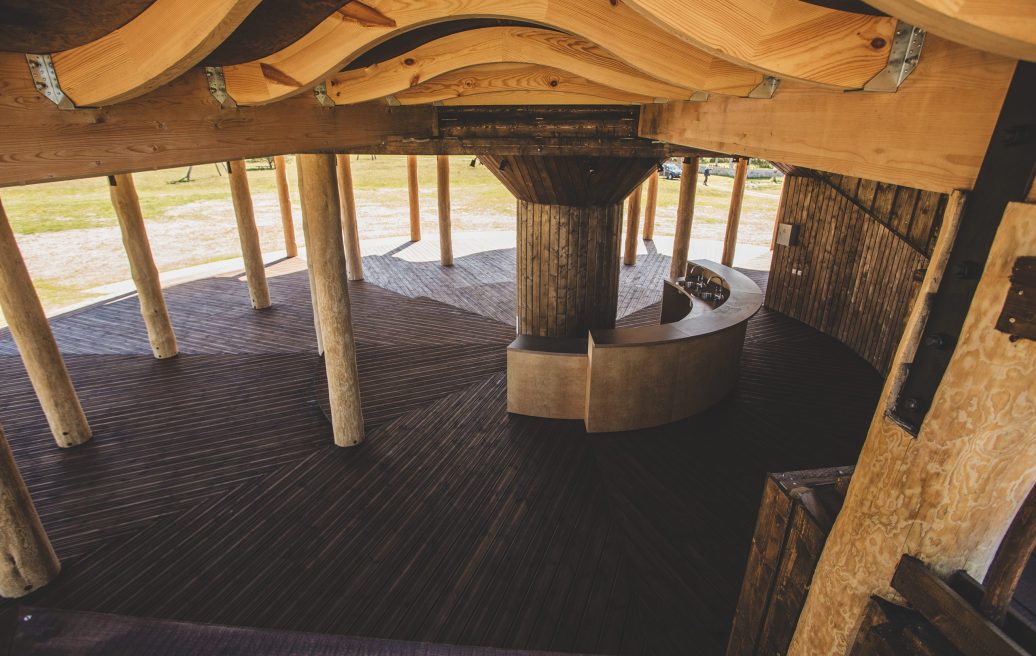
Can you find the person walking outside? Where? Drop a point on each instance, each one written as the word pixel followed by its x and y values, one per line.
pixel 706 173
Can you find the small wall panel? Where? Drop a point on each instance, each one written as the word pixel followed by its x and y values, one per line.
pixel 851 272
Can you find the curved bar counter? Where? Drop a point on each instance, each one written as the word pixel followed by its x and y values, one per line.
pixel 630 378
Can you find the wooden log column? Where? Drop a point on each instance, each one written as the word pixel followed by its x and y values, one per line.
pixel 28 325
pixel 329 274
pixel 30 562
pixel 737 197
pixel 291 248
pixel 442 172
pixel 251 251
pixel 632 227
pixel 569 237
pixel 415 199
pixel 142 266
pixel 684 217
pixel 350 229
pixel 650 205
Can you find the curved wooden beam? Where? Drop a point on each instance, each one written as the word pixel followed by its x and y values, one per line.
pixel 1007 29
pixel 357 27
pixel 157 46
pixel 497 45
pixel 495 84
pixel 785 38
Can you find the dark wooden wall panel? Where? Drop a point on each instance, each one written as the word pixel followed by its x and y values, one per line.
pixel 851 272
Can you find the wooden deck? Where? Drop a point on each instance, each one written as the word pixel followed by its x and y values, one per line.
pixel 212 492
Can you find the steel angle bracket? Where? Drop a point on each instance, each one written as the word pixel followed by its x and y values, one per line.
pixel 766 88
pixel 218 87
pixel 46 80
pixel 903 57
pixel 320 91
pixel 699 96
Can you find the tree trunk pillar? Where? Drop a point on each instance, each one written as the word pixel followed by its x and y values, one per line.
pixel 30 561
pixel 684 217
pixel 28 325
pixel 632 226
pixel 415 199
pixel 737 196
pixel 251 251
pixel 284 199
pixel 326 255
pixel 350 229
pixel 142 266
pixel 442 171
pixel 650 205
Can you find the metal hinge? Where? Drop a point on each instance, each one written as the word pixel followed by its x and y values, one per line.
pixel 320 91
pixel 766 88
pixel 903 57
pixel 46 80
pixel 218 87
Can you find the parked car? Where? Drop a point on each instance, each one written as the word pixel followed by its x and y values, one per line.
pixel 671 171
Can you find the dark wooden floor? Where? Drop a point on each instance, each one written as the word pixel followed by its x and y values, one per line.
pixel 212 491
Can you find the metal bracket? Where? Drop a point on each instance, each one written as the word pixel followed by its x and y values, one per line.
pixel 766 88
pixel 699 96
pixel 218 87
pixel 320 91
pixel 46 79
pixel 903 57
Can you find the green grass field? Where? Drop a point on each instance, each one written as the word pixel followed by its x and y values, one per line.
pixel 70 239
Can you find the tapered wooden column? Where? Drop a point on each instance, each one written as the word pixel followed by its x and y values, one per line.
pixel 684 217
pixel 650 205
pixel 30 562
pixel 632 227
pixel 442 171
pixel 350 230
pixel 28 325
pixel 737 196
pixel 326 254
pixel 309 273
pixel 251 251
pixel 415 199
pixel 142 266
pixel 284 198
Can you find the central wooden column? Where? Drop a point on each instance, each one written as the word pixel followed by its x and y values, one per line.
pixel 569 237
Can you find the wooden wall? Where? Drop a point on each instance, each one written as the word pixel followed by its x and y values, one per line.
pixel 851 273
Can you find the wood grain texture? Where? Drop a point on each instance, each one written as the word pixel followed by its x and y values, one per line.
pixel 442 190
pixel 350 222
pixel 1012 557
pixel 40 356
pixel 291 248
pixel 629 254
pixel 414 196
pixel 896 137
pixel 142 266
pixel 568 179
pixel 684 216
pixel 786 38
pixel 326 256
pixel 954 489
pixel 650 206
pixel 248 234
pixel 1008 29
pixel 575 57
pixel 338 40
pixel 737 197
pixel 156 47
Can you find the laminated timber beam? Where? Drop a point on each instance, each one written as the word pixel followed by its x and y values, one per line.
pixel 497 45
pixel 515 84
pixel 159 45
pixel 899 137
pixel 1007 29
pixel 357 27
pixel 785 38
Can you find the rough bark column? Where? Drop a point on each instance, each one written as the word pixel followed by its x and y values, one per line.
pixel 415 199
pixel 442 171
pixel 142 266
pixel 737 196
pixel 30 561
pixel 326 255
pixel 284 198
pixel 632 227
pixel 649 207
pixel 251 251
pixel 684 217
pixel 350 230
pixel 28 325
